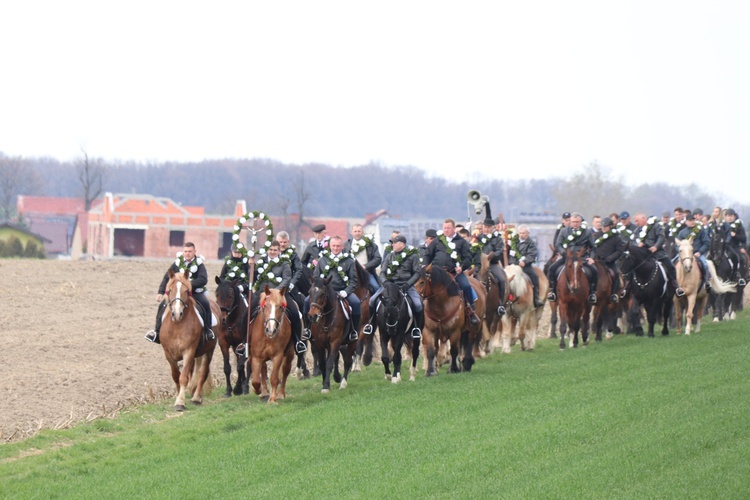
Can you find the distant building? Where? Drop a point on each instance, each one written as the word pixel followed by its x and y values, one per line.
pixel 9 231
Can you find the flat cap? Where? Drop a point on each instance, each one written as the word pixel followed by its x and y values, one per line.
pixel 319 228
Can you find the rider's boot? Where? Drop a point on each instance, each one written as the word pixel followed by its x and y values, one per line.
pixel 416 332
pixel 473 318
pixel 677 290
pixel 353 334
pixel 551 296
pixel 368 328
pixel 537 302
pixel 592 293
pixel 153 335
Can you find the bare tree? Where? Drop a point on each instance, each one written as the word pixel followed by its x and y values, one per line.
pixel 302 194
pixel 590 191
pixel 16 177
pixel 92 173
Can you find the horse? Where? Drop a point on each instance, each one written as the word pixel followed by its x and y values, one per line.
pixel 395 323
pixel 726 298
pixel 363 352
pixel 182 340
pixel 572 294
pixel 604 310
pixel 521 311
pixel 445 319
pixel 553 304
pixel 493 320
pixel 330 323
pixel 649 288
pixel 693 302
pixel 233 332
pixel 270 340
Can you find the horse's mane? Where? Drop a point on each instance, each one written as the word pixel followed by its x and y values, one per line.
pixel 441 277
pixel 518 282
pixel 640 253
pixel 362 279
pixel 324 284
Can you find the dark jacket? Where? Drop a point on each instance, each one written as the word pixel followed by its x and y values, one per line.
pixel 281 270
pixel 233 268
pixel 701 243
pixel 439 255
pixel 407 272
pixel 312 252
pixel 294 263
pixel 348 268
pixel 609 249
pixel 567 240
pixel 654 237
pixel 198 278
pixel 493 247
pixel 526 251
pixel 739 240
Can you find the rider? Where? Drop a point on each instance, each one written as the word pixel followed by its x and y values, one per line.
pixel 565 222
pixel 522 252
pixel 700 243
pixel 574 238
pixel 453 253
pixel 362 247
pixel 651 235
pixel 274 270
pixel 625 228
pixel 186 261
pixel 236 267
pixel 607 249
pixel 429 236
pixel 492 245
pixel 401 267
pixel 319 245
pixel 339 266
pixel 736 242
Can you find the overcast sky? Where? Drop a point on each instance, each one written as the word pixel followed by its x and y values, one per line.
pixel 652 90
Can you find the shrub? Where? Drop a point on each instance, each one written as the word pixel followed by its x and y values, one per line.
pixel 31 250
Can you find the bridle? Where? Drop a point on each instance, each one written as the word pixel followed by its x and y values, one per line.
pixel 271 324
pixel 322 312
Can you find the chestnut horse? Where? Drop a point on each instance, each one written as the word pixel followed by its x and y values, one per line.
pixel 270 335
pixel 572 294
pixel 493 320
pixel 181 338
pixel 445 318
pixel 330 324
pixel 234 322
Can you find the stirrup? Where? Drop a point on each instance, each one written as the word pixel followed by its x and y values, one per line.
pixel 614 298
pixel 367 330
pixel 623 293
pixel 592 298
pixel 353 335
pixel 708 285
pixel 416 333
pixel 240 350
pixel 679 292
pixel 552 297
pixel 300 347
pixel 305 334
pixel 501 310
pixel 210 335
pixel 151 336
pixel 741 282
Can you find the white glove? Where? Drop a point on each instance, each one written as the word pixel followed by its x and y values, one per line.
pixel 241 288
pixel 343 294
pixel 291 286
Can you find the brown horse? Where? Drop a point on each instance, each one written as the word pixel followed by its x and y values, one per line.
pixel 270 336
pixel 693 303
pixel 363 354
pixel 445 319
pixel 182 340
pixel 604 310
pixel 329 324
pixel 553 304
pixel 492 319
pixel 233 308
pixel 572 295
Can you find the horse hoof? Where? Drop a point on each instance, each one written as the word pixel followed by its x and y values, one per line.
pixel 388 377
pixel 343 384
pixel 716 320
pixel 192 402
pixel 395 380
pixel 227 394
pixel 265 398
pixel 179 408
pixel 325 391
pixel 412 378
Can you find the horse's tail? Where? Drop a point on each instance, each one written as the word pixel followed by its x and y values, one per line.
pixel 208 385
pixel 717 285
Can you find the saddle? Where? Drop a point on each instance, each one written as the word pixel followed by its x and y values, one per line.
pixel 199 312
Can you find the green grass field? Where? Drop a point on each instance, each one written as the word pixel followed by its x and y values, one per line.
pixel 627 418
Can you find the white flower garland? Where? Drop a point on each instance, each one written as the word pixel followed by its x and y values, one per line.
pixel 576 234
pixel 674 226
pixel 735 226
pixel 335 261
pixel 235 270
pixel 182 265
pixel 265 273
pixel 323 253
pixel 605 236
pixel 250 217
pixel 449 245
pixel 513 239
pixel 398 259
pixel 356 248
pixel 638 237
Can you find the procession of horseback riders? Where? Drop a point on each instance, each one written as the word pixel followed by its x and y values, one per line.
pixel 356 270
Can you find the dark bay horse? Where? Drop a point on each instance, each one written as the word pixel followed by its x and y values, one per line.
pixel 182 340
pixel 604 310
pixel 363 353
pixel 572 294
pixel 234 321
pixel 270 340
pixel 649 288
pixel 330 319
pixel 493 320
pixel 445 319
pixel 553 305
pixel 395 325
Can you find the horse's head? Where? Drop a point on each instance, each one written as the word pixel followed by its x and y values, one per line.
pixel 574 270
pixel 273 307
pixel 423 283
pixel 687 257
pixel 179 290
pixel 391 302
pixel 321 296
pixel 227 297
pixel 484 271
pixel 716 248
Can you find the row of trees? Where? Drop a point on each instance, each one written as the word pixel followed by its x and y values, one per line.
pixel 317 189
pixel 13 247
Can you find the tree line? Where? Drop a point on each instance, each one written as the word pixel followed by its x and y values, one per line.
pixel 315 189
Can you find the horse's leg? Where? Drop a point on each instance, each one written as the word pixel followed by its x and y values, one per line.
pixel 227 370
pixel 384 358
pixel 176 378
pixel 275 369
pixel 348 353
pixel 468 355
pixel 200 374
pixel 553 320
pixel 256 363
pixel 688 314
pixel 667 313
pixel 429 345
pixel 331 362
pixel 455 348
pixel 367 357
pixel 358 354
pixel 286 369
pixel 397 343
pixel 184 379
pixel 302 371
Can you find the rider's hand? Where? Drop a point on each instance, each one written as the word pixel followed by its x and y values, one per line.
pixel 159 297
pixel 697 254
pixel 343 294
pixel 459 270
pixel 522 263
pixel 291 286
pixel 652 249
